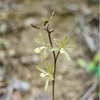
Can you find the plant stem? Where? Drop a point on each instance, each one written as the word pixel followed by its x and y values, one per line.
pixel 54 56
pixel 53 90
pixel 53 81
pixel 55 61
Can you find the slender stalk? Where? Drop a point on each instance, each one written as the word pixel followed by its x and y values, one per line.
pixel 51 45
pixel 55 61
pixel 57 55
pixel 53 81
pixel 53 90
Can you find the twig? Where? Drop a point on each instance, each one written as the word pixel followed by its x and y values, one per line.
pixel 90 90
pixel 72 26
pixel 8 93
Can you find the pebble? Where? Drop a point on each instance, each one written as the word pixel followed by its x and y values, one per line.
pixel 63 70
pixel 59 77
pixel 35 58
pixel 2 55
pixel 86 10
pixel 43 96
pixel 5 43
pixel 3 28
pixel 30 21
pixel 27 60
pixel 11 53
pixel 73 7
pixel 16 95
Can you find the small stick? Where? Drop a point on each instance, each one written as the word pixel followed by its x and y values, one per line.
pixel 90 90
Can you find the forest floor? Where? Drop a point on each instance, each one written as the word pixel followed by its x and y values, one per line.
pixel 17 45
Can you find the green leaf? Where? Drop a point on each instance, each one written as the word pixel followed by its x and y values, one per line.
pixel 57 42
pixel 81 62
pixel 37 40
pixel 96 58
pixel 51 77
pixel 54 49
pixel 51 18
pixel 91 66
pixel 46 84
pixel 40 69
pixel 67 55
pixel 64 41
pixel 47 67
pixel 51 69
pixel 40 36
pixel 70 46
pixel 98 94
pixel 43 56
pixel 97 71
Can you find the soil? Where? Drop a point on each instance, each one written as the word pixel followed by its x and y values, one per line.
pixel 17 49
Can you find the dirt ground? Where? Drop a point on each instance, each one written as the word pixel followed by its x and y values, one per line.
pixel 17 45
